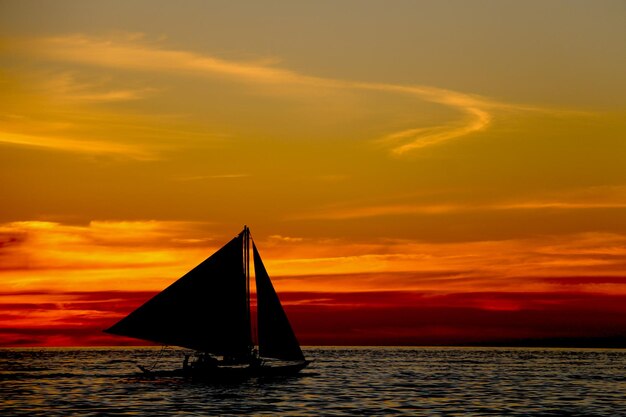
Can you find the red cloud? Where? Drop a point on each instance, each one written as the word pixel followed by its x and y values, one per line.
pixel 361 318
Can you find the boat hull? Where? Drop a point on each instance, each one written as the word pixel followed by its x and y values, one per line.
pixel 234 372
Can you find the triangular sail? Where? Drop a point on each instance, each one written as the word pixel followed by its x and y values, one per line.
pixel 206 310
pixel 276 338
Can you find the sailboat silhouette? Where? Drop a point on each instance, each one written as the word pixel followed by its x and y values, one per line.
pixel 208 310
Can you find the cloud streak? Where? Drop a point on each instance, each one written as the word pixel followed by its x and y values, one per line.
pixel 65 87
pixel 151 254
pixel 132 53
pixel 98 254
pixel 211 177
pixel 354 318
pixel 75 145
pixel 364 211
pixel 478 112
pixel 388 282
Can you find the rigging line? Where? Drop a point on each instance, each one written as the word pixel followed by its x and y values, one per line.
pixel 158 357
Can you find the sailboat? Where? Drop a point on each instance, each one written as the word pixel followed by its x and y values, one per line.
pixel 208 311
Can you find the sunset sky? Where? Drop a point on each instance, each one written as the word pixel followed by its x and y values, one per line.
pixel 413 172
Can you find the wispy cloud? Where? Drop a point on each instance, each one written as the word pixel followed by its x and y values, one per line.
pixel 134 255
pixel 74 125
pixel 76 318
pixel 130 52
pixel 134 53
pixel 581 199
pixel 211 177
pixel 478 112
pixel 281 238
pixel 148 255
pixel 65 87
pixel 342 213
pixel 76 145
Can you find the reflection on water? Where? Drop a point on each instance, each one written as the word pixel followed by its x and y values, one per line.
pixel 341 381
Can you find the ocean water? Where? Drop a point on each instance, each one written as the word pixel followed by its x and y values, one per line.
pixel 340 382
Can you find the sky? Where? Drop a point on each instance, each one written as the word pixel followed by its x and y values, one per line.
pixel 413 172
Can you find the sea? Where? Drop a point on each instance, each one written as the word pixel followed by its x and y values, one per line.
pixel 341 381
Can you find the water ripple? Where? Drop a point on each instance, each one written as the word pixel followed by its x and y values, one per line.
pixel 340 382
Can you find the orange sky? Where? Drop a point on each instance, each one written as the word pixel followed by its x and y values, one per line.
pixel 422 173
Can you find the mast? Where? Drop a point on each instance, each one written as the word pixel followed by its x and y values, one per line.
pixel 246 263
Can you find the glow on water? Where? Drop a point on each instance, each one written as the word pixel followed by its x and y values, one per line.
pixel 340 381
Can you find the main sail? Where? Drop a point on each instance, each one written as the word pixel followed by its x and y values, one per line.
pixel 206 309
pixel 276 338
